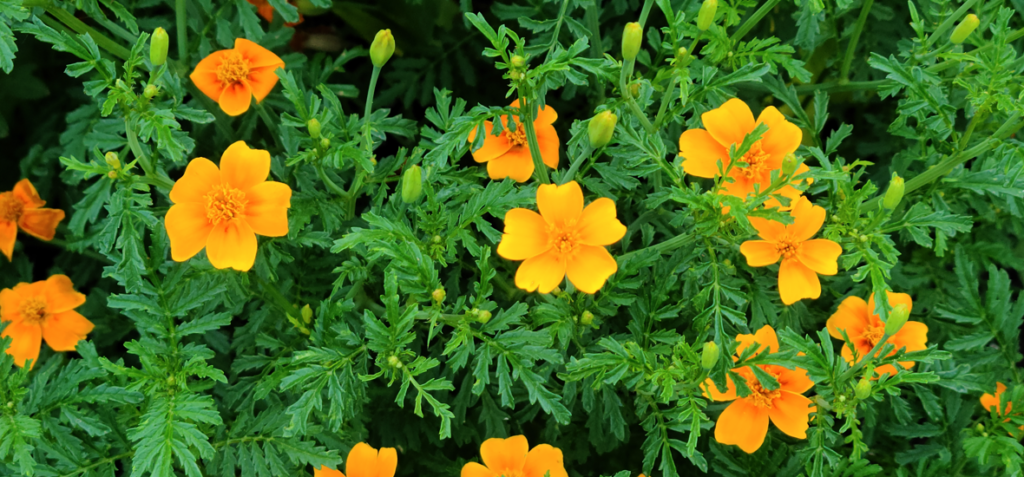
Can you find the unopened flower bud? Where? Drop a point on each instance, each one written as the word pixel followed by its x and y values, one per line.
pixel 789 164
pixel 382 48
pixel 151 91
pixel 483 316
pixel 863 388
pixel 438 295
pixel 158 44
pixel 964 29
pixel 894 194
pixel 394 361
pixel 436 239
pixel 632 36
pixel 897 318
pixel 307 313
pixel 171 381
pixel 111 159
pixel 412 184
pixel 709 356
pixel 313 125
pixel 864 238
pixel 325 143
pixel 600 129
pixel 706 16
pixel 10 404
pixel 586 318
pixel 518 61
pixel 112 174
pixel 980 428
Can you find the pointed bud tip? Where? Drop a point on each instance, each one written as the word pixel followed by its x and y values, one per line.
pixel 382 48
pixel 601 128
pixel 632 37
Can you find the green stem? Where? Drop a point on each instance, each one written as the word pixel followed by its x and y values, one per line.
pixel 571 173
pixel 540 170
pixel 662 247
pixel 593 18
pixel 644 12
pixel 269 121
pixel 329 183
pixel 100 462
pixel 624 75
pixel 81 28
pixel 147 166
pixel 946 25
pixel 180 13
pixel 665 99
pixel 277 297
pixel 558 26
pixel 864 359
pixel 978 117
pixel 753 20
pixel 357 183
pixel 844 72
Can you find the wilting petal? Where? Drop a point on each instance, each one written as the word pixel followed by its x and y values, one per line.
pixel 783 137
pixel 541 273
pixel 474 469
pixel 362 461
pixel 267 210
pixel 590 268
pixel 548 143
pixel 807 220
pixel 525 236
pixel 232 244
pixel 243 167
pixel 820 255
pixel 598 224
pixel 41 223
pixel 258 56
pixel 516 164
pixel 25 192
pixel 64 330
pixel 760 253
pixel 730 123
pixel 188 230
pixel 493 146
pixel 544 461
pixel 8 235
pixel 61 295
pixel 790 413
pixel 711 391
pixel 235 99
pixel 560 204
pixel 200 177
pixel 701 153
pixel 852 316
pixel 797 282
pixel 767 340
pixel 26 339
pixel 505 455
pixel 742 424
pixel 205 75
pixel 769 230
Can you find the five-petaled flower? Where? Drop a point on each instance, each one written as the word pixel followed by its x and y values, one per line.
pixel 224 209
pixel 22 208
pixel 266 10
pixel 803 259
pixel 42 310
pixel 513 457
pixel 864 328
pixel 508 154
pixel 992 403
pixel 563 239
pixel 233 77
pixel 744 423
pixel 727 125
pixel 364 461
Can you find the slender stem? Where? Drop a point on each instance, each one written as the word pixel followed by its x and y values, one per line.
pixel 181 13
pixel 271 125
pixel 844 71
pixel 81 28
pixel 540 170
pixel 625 74
pixel 753 20
pixel 571 173
pixel 329 183
pixel 665 99
pixel 978 117
pixel 558 26
pixel 666 246
pixel 593 17
pixel 357 183
pixel 144 161
pixel 946 25
pixel 644 12
pixel 100 462
pixel 864 359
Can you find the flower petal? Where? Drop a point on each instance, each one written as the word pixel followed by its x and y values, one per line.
pixel 204 76
pixel 232 244
pixel 764 337
pixel 894 299
pixel 61 295
pixel 362 461
pixel 235 99
pixel 541 273
pixel 327 472
pixel 742 424
pixel 516 163
pixel 505 455
pixel 26 193
pixel 545 115
pixel 769 230
pixel 525 236
pixel 267 210
pixel 797 282
pixel 10 303
pixel 64 330
pixel 41 223
pixel 790 413
pixel 852 316
pixel 262 82
pixel 793 380
pixel 701 153
pixel 544 461
pixel 590 268
pixel 8 235
pixel 387 462
pixel 200 176
pixel 560 204
pixel 188 230
pixel 760 253
pixel 474 469
pixel 729 123
pixel 26 339
pixel 493 146
pixel 258 56
pixel 548 143
pixel 243 167
pixel 598 224
pixel 913 336
pixel 711 391
pixel 807 220
pixel 820 255
pixel 783 137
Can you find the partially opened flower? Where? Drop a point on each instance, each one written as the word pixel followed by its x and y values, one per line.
pixel 513 457
pixel 234 77
pixel 266 10
pixel 508 154
pixel 726 126
pixel 364 461
pixel 563 239
pixel 744 423
pixel 803 259
pixel 22 208
pixel 225 209
pixel 42 310
pixel 992 403
pixel 865 328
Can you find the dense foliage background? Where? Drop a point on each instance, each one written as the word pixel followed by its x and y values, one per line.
pixel 197 371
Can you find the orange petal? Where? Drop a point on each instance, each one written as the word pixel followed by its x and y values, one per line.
pixel 548 143
pixel 493 146
pixel 730 123
pixel 544 461
pixel 769 230
pixel 782 138
pixel 525 236
pixel 505 455
pixel 188 229
pixel 41 223
pixel 790 412
pixel 64 330
pixel 742 424
pixel 327 472
pixel 741 186
pixel 26 339
pixel 200 176
pixel 262 82
pixel 913 336
pixel 474 469
pixel 760 253
pixel 545 115
pixel 793 380
pixel 820 255
pixel 989 401
pixel 26 193
pixel 258 56
pixel 898 299
pixel 701 153
pixel 711 391
pixel 541 273
pixel 61 295
pixel 8 235
pixel 516 163
pixel 205 75
pixel 10 303
pixel 562 204
pixel 362 461
pixel 888 369
pixel 852 316
pixel 267 210
pixel 235 99
pixel 590 267
pixel 797 282
pixel 232 244
pixel 764 337
pixel 598 224
pixel 807 220
pixel 243 167
pixel 387 462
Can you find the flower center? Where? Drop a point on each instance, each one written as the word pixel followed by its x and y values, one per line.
pixel 757 161
pixel 33 310
pixel 787 247
pixel 233 68
pixel 564 239
pixel 518 137
pixel 10 207
pixel 873 334
pixel 224 203
pixel 759 396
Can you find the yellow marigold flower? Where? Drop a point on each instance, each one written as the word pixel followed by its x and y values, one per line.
pixel 728 125
pixel 224 209
pixel 508 154
pixel 364 461
pixel 22 208
pixel 744 423
pixel 42 310
pixel 865 328
pixel 513 457
pixel 564 239
pixel 233 77
pixel 803 259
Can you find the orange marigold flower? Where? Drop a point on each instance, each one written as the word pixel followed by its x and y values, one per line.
pixel 266 10
pixel 744 423
pixel 365 461
pixel 233 77
pixel 991 403
pixel 508 154
pixel 729 124
pixel 563 239
pixel 513 457
pixel 224 209
pixel 22 208
pixel 803 259
pixel 42 310
pixel 865 328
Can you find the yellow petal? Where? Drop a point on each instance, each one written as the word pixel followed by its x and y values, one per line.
pixel 362 461
pixel 200 177
pixel 598 224
pixel 760 253
pixel 243 167
pixel 769 230
pixel 560 204
pixel 64 330
pixel 590 268
pixel 61 295
pixel 232 244
pixel 493 146
pixel 544 461
pixel 525 236
pixel 797 282
pixel 235 99
pixel 26 339
pixel 820 255
pixel 766 339
pixel 541 273
pixel 474 469
pixel 790 412
pixel 387 462
pixel 730 123
pixel 505 455
pixel 782 138
pixel 548 143
pixel 807 220
pixel 327 472
pixel 515 164
pixel 701 153
pixel 188 229
pixel 742 424
pixel 267 210
pixel 852 316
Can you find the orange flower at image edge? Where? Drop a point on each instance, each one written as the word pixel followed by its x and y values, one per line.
pixel 563 239
pixel 864 328
pixel 744 423
pixel 991 403
pixel 22 208
pixel 365 461
pixel 266 10
pixel 508 154
pixel 224 209
pixel 803 259
pixel 42 310
pixel 233 77
pixel 513 457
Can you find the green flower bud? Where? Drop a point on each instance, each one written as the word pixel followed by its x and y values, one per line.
pixel 789 164
pixel 314 128
pixel 863 388
pixel 483 316
pixel 151 91
pixel 706 16
pixel 632 36
pixel 518 61
pixel 980 428
pixel 394 361
pixel 307 314
pixel 601 128
pixel 112 174
pixel 111 159
pixel 438 295
pixel 897 318
pixel 894 194
pixel 587 318
pixel 412 184
pixel 158 44
pixel 306 7
pixel 436 239
pixel 709 356
pixel 325 143
pixel 964 29
pixel 382 48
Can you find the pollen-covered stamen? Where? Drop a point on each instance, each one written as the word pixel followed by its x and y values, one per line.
pixel 873 334
pixel 233 68
pixel 564 239
pixel 787 247
pixel 759 396
pixel 10 207
pixel 33 310
pixel 517 137
pixel 756 160
pixel 224 203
